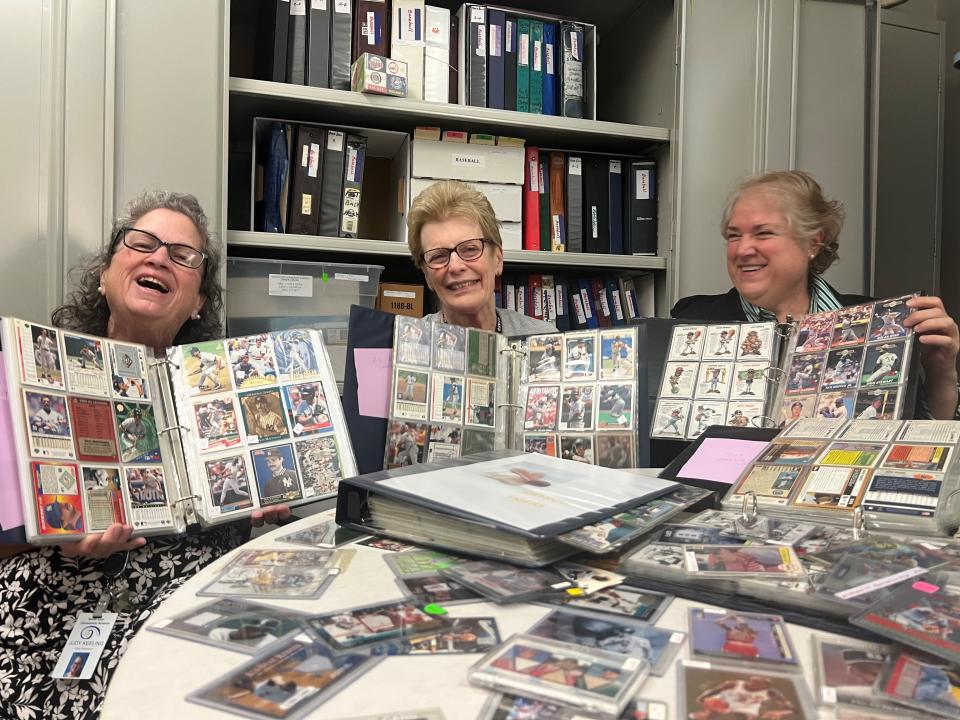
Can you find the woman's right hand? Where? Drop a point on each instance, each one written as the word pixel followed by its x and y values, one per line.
pixel 117 538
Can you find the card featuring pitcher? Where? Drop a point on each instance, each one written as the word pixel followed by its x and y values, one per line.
pixel 703 414
pixel 449 348
pixel 546 357
pixel 446 405
pixel 86 365
pixel 413 341
pixel 406 443
pixel 276 474
pixel 580 356
pixel 888 317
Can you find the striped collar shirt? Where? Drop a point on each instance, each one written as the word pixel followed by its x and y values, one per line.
pixel 822 298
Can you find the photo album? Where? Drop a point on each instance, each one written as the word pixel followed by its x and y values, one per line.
pixel 106 432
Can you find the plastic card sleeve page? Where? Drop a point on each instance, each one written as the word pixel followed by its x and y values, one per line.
pixel 528 492
pixel 11 507
pixel 721 460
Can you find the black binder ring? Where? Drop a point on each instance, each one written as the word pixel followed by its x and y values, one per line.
pixel 164 361
pixel 748 508
pixel 765 421
pixel 784 329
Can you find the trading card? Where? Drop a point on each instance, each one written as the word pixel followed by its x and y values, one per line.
pixel 917 680
pixel 449 347
pixel 481 353
pixel 883 364
pixel 345 629
pixel 817 427
pixel 749 381
pixel 615 450
pixel 709 692
pixel 617 353
pixel 686 495
pixel 40 360
pixel 295 354
pixel 433 587
pixel 504 583
pixel 745 414
pixel 86 366
pixel 454 636
pixel 446 402
pixel 252 361
pixel 704 414
pixel 307 409
pixel 583 677
pixel 775 532
pixel 406 443
pixel 418 562
pixel 797 407
pixel 660 555
pixel 56 488
pixel 588 579
pixel 50 433
pixel 755 341
pixel 888 317
pixel 686 342
pixel 233 624
pixel 576 408
pixel 622 635
pixel 325 534
pixel 832 488
pixel 714 380
pixel 847 670
pixel 147 494
pixel 852 325
pixel 276 474
pixel 822 539
pixel 578 448
pixel 804 374
pixel 903 492
pixel 516 707
pixel 546 358
pixel 477 441
pixel 542 408
pixel 481 402
pixel 815 332
pixel 541 443
pixel 129 367
pixel 679 379
pixel 615 406
pixel 217 426
pixel 579 356
pixel 721 342
pixel 319 463
pixel 931 431
pixel 444 442
pixel 138 433
pixel 611 533
pixel 205 367
pixel 854 454
pixel 880 404
pixel 871 545
pixel 387 544
pixel 929 458
pixel 677 534
pixel 103 498
pixel 284 682
pixel 263 416
pixel 93 426
pixel 836 405
pixel 842 369
pixel 413 341
pixel 670 418
pixel 757 638
pixel 228 484
pixel 791 452
pixel 289 574
pixel 410 394
pixel 742 560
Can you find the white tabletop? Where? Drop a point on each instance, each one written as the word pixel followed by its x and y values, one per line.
pixel 158 671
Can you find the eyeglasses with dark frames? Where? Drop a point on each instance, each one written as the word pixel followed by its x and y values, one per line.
pixel 146 242
pixel 468 250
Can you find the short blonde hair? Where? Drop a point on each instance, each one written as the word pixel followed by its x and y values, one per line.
pixel 805 207
pixel 447 199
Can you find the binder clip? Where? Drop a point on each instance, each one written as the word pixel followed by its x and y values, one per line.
pixel 859 524
pixel 749 509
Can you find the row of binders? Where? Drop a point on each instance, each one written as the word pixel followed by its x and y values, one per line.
pixel 308 180
pixel 589 203
pixel 577 302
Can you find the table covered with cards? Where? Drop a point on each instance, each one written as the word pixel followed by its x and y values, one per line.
pixel 315 621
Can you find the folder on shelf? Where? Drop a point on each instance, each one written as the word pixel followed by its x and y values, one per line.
pixel 473 51
pixel 341 33
pixel 574 203
pixel 318 45
pixel 615 205
pixel 617 315
pixel 549 68
pixel 521 290
pixel 304 216
pixel 562 292
pixel 356 151
pixel 370 28
pixel 543 175
pixel 558 219
pixel 509 291
pixel 510 63
pixel 585 288
pixel 536 67
pixel 596 231
pixel 297 43
pixel 407 42
pixel 578 310
pixel 601 301
pixel 571 70
pixel 275 164
pixel 270 51
pixel 549 292
pixel 436 57
pixel 523 65
pixel 496 26
pixel 642 223
pixel 332 191
pixel 535 295
pixel 531 199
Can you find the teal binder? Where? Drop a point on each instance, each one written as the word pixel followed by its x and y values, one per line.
pixel 536 67
pixel 523 65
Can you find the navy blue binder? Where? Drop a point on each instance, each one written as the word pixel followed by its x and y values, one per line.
pixel 496 21
pixel 550 68
pixel 510 64
pixel 276 165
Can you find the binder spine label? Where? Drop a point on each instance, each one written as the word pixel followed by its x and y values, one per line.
pixel 523 58
pixel 574 166
pixel 341 6
pixel 538 304
pixel 585 299
pixel 615 166
pixel 575 46
pixel 548 56
pixel 534 175
pixel 508 39
pixel 476 14
pixel 481 40
pixel 370 29
pixel 318 5
pixel 604 305
pixel 335 141
pixel 594 224
pixel 643 184
pixel 496 41
pixel 578 309
pixel 313 159
pixel 617 306
pixel 298 7
pixel 537 55
pixel 561 291
pixel 549 304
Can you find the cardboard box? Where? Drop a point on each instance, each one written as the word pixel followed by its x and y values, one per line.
pixel 472 163
pixel 506 200
pixel 401 299
pixel 379 75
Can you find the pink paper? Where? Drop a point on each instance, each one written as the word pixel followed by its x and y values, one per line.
pixel 11 508
pixel 722 460
pixel 374 366
pixel 925 587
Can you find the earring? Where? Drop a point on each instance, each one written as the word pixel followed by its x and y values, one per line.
pixel 196 316
pixel 100 289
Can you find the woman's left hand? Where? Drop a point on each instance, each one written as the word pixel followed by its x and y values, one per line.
pixel 939 341
pixel 274 515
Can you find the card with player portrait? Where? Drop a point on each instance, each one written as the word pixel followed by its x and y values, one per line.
pixel 541 443
pixel 413 341
pixel 206 367
pixel 542 408
pixel 804 374
pixel 615 406
pixel 771 484
pixel 103 497
pixel 578 448
pixel 138 432
pixel 217 423
pixel 146 490
pixel 877 404
pixel 884 364
pixel 852 325
pixel 743 560
pixel 797 407
pixel 308 411
pixel 264 417
pixel 746 413
pixel 815 332
pixel 48 425
pixel 842 369
pixel 481 402
pixel 252 361
pixel 721 342
pixel 707 691
pixel 289 574
pixel 686 342
pixel 577 407
pixel 836 405
pixel 41 362
pixel 757 639
pixel 276 474
pixel 296 355
pixel 755 342
pixel 670 419
pixel 482 350
pixel 714 380
pixel 228 485
pixel 454 636
pixel 446 402
pixel 445 441
pixel 449 348
pixel 96 439
pixel 617 352
pixel 406 443
pixel 703 414
pixel 318 459
pixel 410 394
pixel 545 358
pixel 86 365
pixel 580 356
pixel 56 487
pixel 679 379
pixel 888 317
pixel 847 670
pixel 368 624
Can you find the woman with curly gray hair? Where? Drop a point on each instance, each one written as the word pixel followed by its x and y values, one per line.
pixel 156 284
pixel 781 234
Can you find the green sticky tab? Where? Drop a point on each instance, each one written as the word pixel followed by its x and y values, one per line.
pixel 434 609
pixel 325 278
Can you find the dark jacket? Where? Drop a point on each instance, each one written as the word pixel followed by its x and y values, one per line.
pixel 727 307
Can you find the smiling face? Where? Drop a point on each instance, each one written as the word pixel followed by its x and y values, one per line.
pixel 149 295
pixel 767 263
pixel 465 289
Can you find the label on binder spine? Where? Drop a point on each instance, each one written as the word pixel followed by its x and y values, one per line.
pixel 643 184
pixel 298 7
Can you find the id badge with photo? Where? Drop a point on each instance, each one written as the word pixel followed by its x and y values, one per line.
pixel 84 646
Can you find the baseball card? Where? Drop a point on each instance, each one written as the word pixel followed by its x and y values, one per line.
pixel 811 428
pixel 546 358
pixel 743 560
pixel 449 348
pixel 837 405
pixel 670 419
pixel 541 443
pixel 289 574
pixel 444 442
pixel 276 474
pixel 48 425
pixel 477 441
pixel 86 366
pixel 792 452
pixel 446 402
pixel 39 352
pixel 746 413
pixel 714 381
pixel 931 431
pixel 617 530
pixel 56 488
pixel 138 433
pixel 205 367
pixel 264 416
pixel 454 636
pixel 884 364
pixel 832 488
pixel 296 355
pixel 855 454
pixel 703 414
pixel 741 637
pixel 615 406
pixel 917 680
pixel 721 342
pixel 406 443
pixel 686 342
pixel 879 404
pixel 749 381
pixel 413 341
pixel 543 408
pixel 146 490
pixel 888 317
pixel 580 356
pixel 481 353
pixel 617 353
pixel 577 407
pixel 679 379
pixel 797 407
pixel 93 427
pixel 128 365
pixel 708 692
pixel 252 361
pixel 928 458
pixel 842 371
pixel 615 450
pixel 103 497
pixel 325 534
pixel 319 463
pixel 216 423
pixel 804 374
pixel 578 448
pixel 410 394
pixel 755 342
pixel 903 492
pixel 419 562
pixel 368 624
pixel 433 587
pixel 481 402
pixel 626 600
pixel 307 410
pixel 852 325
pixel 772 484
pixel 847 670
pixel 228 485
pixel 505 583
pixel 815 332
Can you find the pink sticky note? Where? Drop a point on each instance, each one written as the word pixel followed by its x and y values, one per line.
pixel 925 587
pixel 11 508
pixel 722 460
pixel 373 380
